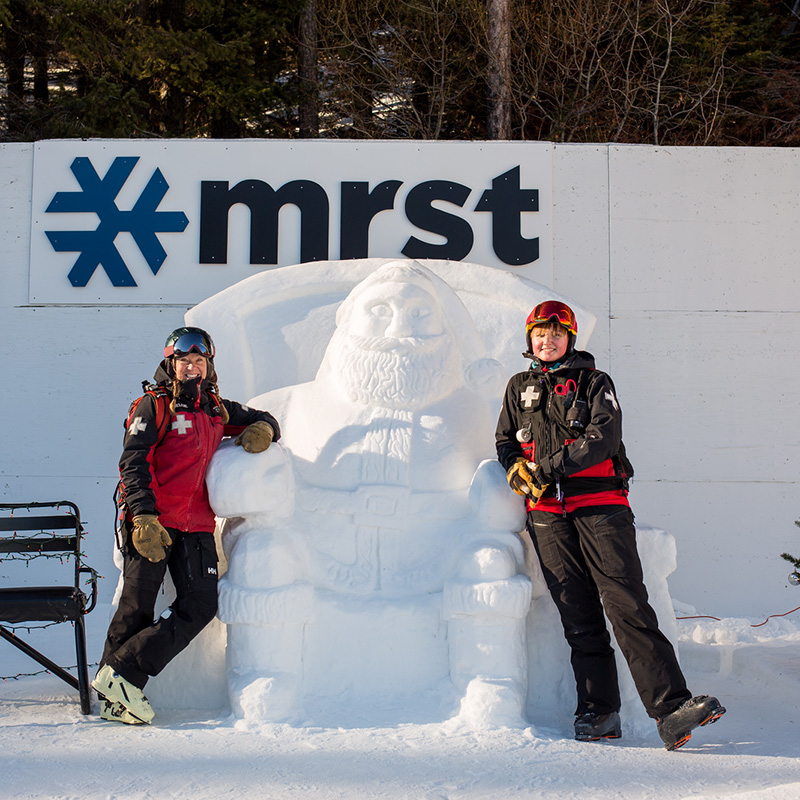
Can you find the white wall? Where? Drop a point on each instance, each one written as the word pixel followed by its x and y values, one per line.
pixel 705 329
pixel 687 256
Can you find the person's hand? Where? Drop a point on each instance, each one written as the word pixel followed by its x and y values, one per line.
pixel 539 479
pixel 538 487
pixel 521 478
pixel 257 437
pixel 150 537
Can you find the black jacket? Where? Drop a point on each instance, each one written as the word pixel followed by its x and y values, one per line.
pixel 583 456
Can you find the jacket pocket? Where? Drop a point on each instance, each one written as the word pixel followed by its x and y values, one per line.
pixel 614 538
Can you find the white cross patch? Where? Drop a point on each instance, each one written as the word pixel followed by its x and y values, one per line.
pixel 181 424
pixel 613 400
pixel 136 426
pixel 530 395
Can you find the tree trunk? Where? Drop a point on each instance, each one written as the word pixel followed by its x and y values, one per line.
pixel 14 63
pixel 307 72
pixel 498 125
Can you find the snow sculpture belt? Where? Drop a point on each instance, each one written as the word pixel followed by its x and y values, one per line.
pixel 386 506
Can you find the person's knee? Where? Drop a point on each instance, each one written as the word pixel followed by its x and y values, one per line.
pixel 204 607
pixel 193 614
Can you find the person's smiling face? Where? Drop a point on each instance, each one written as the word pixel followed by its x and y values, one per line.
pixel 191 366
pixel 549 343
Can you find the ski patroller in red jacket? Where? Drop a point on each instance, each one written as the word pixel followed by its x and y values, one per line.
pixel 165 474
pixel 584 465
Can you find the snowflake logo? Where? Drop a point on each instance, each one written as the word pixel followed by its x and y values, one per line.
pixel 98 195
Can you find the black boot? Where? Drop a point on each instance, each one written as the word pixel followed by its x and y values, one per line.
pixel 675 729
pixel 590 727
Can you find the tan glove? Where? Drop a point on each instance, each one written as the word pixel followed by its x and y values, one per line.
pixel 257 437
pixel 150 537
pixel 521 480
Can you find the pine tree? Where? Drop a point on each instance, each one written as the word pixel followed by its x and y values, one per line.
pixel 794 577
pixel 156 67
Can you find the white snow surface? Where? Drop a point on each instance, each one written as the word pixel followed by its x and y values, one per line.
pixel 50 750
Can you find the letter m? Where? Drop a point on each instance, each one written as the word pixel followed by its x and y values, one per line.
pixel 265 204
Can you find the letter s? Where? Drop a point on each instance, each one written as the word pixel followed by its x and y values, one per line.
pixel 421 213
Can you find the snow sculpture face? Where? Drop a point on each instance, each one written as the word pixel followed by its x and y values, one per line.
pixel 392 349
pixel 408 311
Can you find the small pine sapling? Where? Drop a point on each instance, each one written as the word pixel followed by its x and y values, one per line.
pixel 794 576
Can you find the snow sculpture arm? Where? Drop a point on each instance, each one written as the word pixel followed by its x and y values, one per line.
pixel 242 484
pixel 495 505
pixel 499 509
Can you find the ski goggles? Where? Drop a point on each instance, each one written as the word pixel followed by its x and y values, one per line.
pixel 553 311
pixel 190 343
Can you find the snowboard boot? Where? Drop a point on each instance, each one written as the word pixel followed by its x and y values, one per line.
pixel 112 686
pixel 116 712
pixel 676 728
pixel 591 727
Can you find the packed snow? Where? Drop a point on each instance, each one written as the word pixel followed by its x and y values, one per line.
pixel 50 750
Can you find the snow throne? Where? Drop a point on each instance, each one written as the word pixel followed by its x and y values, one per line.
pixel 373 554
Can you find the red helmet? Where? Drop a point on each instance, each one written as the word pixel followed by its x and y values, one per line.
pixel 553 311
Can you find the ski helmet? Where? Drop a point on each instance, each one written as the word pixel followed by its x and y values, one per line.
pixel 554 312
pixel 188 340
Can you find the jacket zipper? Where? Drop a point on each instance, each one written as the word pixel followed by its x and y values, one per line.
pixel 548 434
pixel 201 449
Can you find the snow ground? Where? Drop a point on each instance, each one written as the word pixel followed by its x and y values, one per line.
pixel 50 750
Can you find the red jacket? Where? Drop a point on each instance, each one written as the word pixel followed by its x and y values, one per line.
pixel 165 474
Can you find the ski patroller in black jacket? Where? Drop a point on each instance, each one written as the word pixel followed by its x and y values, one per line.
pixel 164 472
pixel 586 464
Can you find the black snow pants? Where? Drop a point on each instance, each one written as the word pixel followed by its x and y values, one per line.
pixel 590 562
pixel 139 646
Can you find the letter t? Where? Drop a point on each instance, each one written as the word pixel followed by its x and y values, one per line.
pixel 506 201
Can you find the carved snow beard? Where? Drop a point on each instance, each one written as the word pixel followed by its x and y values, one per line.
pixel 406 373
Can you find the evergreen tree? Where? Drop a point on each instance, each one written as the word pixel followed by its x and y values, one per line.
pixel 794 577
pixel 164 67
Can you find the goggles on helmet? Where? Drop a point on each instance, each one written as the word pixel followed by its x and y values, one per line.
pixel 553 311
pixel 190 342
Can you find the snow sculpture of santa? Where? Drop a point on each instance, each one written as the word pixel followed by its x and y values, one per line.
pixel 377 505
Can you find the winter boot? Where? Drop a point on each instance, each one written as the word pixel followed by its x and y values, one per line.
pixel 112 686
pixel 590 727
pixel 675 729
pixel 116 712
